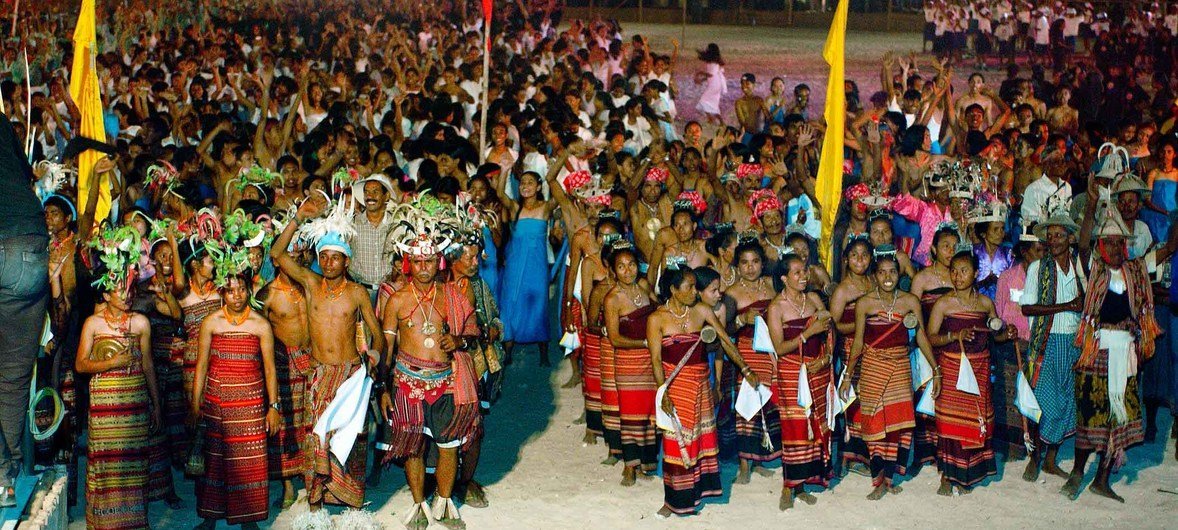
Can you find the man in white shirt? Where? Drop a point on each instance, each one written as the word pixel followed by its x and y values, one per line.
pixel 1051 192
pixel 1052 300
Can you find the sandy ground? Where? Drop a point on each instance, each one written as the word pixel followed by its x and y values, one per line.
pixel 539 474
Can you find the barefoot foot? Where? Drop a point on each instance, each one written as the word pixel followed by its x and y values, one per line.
pixel 628 476
pixel 664 513
pixel 1054 469
pixel 1071 488
pixel 946 489
pixel 806 497
pixel 1105 491
pixel 895 490
pixel 476 496
pixel 877 493
pixel 859 468
pixel 610 461
pixel 590 438
pixel 1031 473
pixel 574 380
pixel 743 476
pixel 787 500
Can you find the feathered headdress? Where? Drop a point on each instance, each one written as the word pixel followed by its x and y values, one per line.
pixel 424 227
pixel 342 179
pixel 471 219
pixel 256 176
pixel 331 231
pixel 241 231
pixel 118 251
pixel 161 178
pixel 53 177
pixel 228 261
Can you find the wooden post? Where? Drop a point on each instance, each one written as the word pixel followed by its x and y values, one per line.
pixel 486 88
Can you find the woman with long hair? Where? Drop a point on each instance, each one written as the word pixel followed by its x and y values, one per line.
pixel 716 86
pixel 856 283
pixel 627 307
pixel 759 439
pixel 959 328
pixel 930 284
pixel 884 385
pixel 799 326
pixel 691 470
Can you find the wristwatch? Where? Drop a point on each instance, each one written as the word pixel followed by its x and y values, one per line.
pixel 275 405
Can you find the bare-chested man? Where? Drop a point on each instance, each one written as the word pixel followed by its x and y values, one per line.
pixel 333 305
pixel 651 211
pixel 433 385
pixel 285 306
pixel 750 108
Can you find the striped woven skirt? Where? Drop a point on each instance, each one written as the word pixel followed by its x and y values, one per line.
pixel 965 422
pixel 886 410
pixel 805 440
pixel 286 453
pixel 235 486
pixel 116 451
pixel 686 483
pixel 611 419
pixel 194 316
pixel 636 389
pixel 1056 388
pixel 1096 427
pixel 854 449
pixel 758 439
pixel 326 478
pixel 591 380
pixel 169 384
pixel 1009 423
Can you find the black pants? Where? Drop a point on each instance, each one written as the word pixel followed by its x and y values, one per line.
pixel 24 295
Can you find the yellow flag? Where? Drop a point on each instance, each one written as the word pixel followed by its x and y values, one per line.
pixel 829 187
pixel 84 90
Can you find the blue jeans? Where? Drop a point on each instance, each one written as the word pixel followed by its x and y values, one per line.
pixel 24 297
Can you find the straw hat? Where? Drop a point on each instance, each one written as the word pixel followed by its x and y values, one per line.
pixel 1056 219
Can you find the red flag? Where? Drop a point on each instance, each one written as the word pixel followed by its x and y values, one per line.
pixel 487 22
pixel 486 11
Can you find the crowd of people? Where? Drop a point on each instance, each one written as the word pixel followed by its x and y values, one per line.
pixel 303 226
pixel 1051 33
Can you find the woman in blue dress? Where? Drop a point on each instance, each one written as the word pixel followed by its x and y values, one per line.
pixel 483 194
pixel 524 286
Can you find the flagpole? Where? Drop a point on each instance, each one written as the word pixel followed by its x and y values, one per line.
pixel 486 81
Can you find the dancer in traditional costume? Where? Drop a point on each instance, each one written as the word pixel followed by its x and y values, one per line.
pixel 1116 336
pixel 627 307
pixel 758 440
pixel 856 282
pixel 334 308
pixel 929 285
pixel 799 326
pixel 959 328
pixel 885 378
pixel 434 399
pixel 691 470
pixel 124 399
pixel 235 400
pixel 285 306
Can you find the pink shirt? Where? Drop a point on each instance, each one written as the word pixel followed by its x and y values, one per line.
pixel 1010 289
pixel 927 215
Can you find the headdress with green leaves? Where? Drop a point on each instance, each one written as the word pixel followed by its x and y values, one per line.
pixel 118 251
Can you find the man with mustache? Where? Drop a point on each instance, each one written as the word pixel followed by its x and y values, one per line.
pixel 368 266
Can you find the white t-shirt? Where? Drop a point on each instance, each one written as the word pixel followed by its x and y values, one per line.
pixel 1042 31
pixel 1067 287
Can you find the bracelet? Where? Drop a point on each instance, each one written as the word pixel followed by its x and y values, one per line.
pixel 802 336
pixel 276 406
